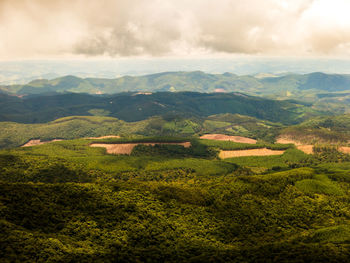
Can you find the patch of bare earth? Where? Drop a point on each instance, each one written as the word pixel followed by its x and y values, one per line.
pixel 104 137
pixel 306 148
pixel 344 149
pixel 126 148
pixel 284 140
pixel 251 152
pixel 38 142
pixel 222 137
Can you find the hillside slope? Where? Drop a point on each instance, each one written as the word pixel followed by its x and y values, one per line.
pixel 16 134
pixel 321 130
pixel 136 107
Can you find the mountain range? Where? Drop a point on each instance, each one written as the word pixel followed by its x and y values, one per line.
pixel 188 81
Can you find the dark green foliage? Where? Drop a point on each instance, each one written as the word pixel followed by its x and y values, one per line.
pixel 329 154
pixel 68 202
pixel 36 169
pixel 196 150
pixel 225 218
pixel 131 107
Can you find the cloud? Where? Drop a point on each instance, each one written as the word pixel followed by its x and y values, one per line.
pixel 123 28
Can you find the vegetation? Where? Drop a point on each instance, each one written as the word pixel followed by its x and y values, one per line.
pixel 327 92
pixel 68 202
pixel 137 107
pixel 326 130
pixel 170 125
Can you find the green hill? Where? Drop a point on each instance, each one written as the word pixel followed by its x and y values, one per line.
pixel 15 134
pixel 136 107
pixel 334 130
pixel 325 91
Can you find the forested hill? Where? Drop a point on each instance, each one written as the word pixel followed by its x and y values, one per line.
pixel 135 106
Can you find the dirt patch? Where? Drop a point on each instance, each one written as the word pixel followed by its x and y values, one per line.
pixel 104 137
pixel 222 137
pixel 283 140
pixel 126 148
pixel 308 149
pixel 252 152
pixel 38 142
pixel 344 149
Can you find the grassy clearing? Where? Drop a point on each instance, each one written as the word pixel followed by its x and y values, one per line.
pixel 321 184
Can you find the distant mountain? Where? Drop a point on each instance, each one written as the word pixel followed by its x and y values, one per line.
pixel 291 85
pixel 140 106
pixel 315 81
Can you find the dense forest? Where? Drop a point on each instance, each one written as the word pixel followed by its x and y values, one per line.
pixel 67 202
pixel 135 107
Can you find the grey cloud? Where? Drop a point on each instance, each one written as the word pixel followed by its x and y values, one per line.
pixel 163 27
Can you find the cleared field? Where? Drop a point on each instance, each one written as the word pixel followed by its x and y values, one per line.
pixel 104 137
pixel 38 142
pixel 344 149
pixel 126 148
pixel 308 149
pixel 251 152
pixel 222 137
pixel 284 140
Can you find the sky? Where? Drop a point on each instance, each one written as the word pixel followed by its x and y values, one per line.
pixel 109 29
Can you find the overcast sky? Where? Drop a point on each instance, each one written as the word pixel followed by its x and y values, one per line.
pixel 173 28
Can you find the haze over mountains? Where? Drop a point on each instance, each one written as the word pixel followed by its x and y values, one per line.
pixel 196 81
pixel 22 72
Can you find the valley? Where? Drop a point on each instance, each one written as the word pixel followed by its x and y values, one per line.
pixel 172 177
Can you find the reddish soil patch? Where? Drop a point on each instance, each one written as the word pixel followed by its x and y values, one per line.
pixel 222 137
pixel 308 149
pixel 38 142
pixel 344 149
pixel 104 137
pixel 126 148
pixel 252 152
